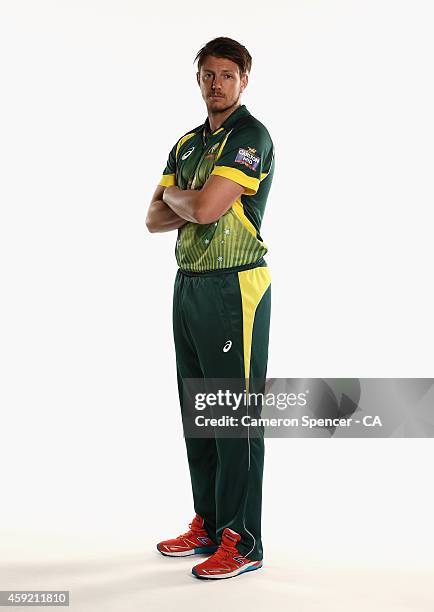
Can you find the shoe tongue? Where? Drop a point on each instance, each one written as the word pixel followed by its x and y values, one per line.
pixel 197 523
pixel 230 538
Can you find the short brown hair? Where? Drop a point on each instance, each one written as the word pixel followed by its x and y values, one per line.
pixel 228 49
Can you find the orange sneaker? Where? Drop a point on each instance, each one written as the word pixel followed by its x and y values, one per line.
pixel 196 541
pixel 227 562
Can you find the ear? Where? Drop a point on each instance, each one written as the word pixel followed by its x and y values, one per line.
pixel 244 81
pixel 198 78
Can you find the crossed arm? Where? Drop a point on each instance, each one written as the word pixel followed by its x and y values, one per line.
pixel 172 207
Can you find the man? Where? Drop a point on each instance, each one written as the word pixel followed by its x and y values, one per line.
pixel 213 191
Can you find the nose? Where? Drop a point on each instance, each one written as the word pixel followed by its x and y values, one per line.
pixel 216 83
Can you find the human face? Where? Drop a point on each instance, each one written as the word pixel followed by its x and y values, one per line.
pixel 220 83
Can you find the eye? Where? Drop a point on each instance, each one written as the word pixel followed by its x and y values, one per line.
pixel 229 76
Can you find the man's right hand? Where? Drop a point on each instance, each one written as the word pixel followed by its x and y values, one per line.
pixel 161 218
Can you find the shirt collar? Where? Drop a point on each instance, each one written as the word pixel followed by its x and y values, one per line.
pixel 239 112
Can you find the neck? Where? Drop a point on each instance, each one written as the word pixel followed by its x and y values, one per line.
pixel 217 118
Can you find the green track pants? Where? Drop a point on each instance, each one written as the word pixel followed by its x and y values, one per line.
pixel 211 312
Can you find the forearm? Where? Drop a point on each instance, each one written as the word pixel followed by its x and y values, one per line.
pixel 185 203
pixel 161 218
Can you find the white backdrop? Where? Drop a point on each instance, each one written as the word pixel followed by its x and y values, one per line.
pixel 94 95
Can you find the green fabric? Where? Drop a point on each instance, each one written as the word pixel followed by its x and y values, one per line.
pixel 226 473
pixel 244 145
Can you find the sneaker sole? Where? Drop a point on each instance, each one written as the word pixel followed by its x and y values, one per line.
pixel 251 568
pixel 202 550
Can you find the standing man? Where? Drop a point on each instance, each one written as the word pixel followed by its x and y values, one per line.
pixel 213 191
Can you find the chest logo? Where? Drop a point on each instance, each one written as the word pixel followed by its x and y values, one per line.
pixel 187 153
pixel 227 347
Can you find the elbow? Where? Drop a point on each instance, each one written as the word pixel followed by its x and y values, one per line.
pixel 149 225
pixel 201 218
pixel 205 218
pixel 203 215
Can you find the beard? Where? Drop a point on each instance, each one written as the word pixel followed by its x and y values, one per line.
pixel 226 107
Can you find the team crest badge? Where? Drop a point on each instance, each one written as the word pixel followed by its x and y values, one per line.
pixel 212 152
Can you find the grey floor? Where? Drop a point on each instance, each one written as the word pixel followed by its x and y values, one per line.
pixel 148 581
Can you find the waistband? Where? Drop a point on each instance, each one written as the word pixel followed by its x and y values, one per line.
pixel 257 264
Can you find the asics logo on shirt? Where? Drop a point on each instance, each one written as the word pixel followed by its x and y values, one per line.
pixel 188 153
pixel 227 347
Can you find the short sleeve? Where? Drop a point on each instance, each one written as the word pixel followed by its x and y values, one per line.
pixel 245 157
pixel 169 172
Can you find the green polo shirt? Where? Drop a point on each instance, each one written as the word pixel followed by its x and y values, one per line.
pixel 242 151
